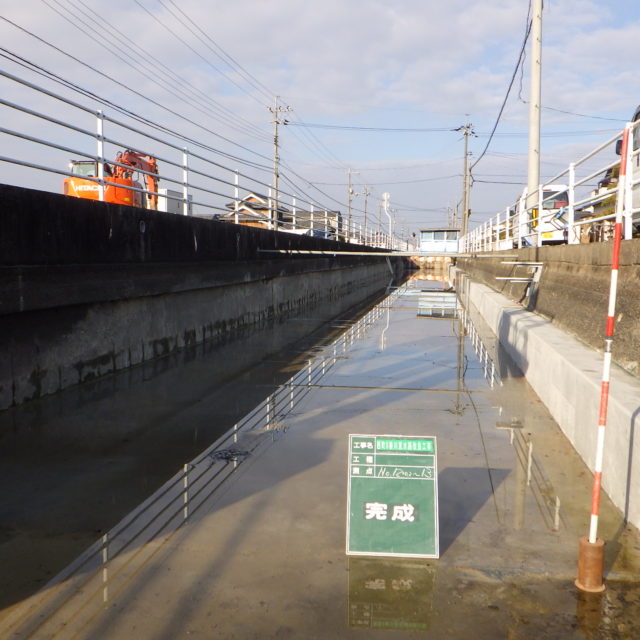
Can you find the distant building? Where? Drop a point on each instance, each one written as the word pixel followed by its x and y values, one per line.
pixel 257 210
pixel 437 240
pixel 254 210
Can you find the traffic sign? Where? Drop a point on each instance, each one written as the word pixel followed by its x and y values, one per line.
pixel 392 499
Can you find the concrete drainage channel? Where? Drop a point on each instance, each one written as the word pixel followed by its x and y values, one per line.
pixel 565 374
pixel 104 569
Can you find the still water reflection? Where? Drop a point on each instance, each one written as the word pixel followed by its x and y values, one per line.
pixel 75 463
pixel 508 486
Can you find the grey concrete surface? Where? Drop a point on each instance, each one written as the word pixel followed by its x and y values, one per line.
pixel 51 349
pixel 112 442
pixel 573 291
pixel 89 288
pixel 265 556
pixel 566 374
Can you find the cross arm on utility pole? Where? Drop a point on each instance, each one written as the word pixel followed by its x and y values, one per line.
pixel 276 110
pixel 467 130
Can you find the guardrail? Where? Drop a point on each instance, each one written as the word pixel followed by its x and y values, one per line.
pixel 194 177
pixel 106 567
pixel 570 208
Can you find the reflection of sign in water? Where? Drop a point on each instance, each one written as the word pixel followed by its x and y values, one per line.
pixel 392 496
pixel 438 304
pixel 390 594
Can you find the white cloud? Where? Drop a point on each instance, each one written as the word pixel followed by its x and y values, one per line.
pixel 410 63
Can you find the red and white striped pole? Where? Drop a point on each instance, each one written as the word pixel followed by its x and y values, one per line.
pixel 591 549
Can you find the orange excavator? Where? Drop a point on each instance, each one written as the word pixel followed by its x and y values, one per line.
pixel 121 177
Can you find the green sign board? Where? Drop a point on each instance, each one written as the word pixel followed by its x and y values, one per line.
pixel 392 504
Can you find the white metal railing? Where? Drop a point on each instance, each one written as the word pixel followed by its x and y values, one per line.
pixel 104 569
pixel 193 175
pixel 587 215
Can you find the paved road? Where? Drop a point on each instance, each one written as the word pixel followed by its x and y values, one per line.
pixel 264 557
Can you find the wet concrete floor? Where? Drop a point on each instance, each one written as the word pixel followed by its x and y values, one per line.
pixel 74 463
pixel 264 557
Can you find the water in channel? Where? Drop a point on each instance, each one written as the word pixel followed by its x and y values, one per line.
pixel 266 556
pixel 74 463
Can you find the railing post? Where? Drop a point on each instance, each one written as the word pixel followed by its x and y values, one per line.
pixel 105 569
pixel 508 235
pixel 628 189
pixel 185 181
pixel 540 203
pixel 268 412
pixel 185 491
pixel 572 232
pixel 100 152
pixel 521 222
pixel 236 196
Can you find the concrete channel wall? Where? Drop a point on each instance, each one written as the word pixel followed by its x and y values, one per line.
pixel 565 373
pixel 90 288
pixel 573 290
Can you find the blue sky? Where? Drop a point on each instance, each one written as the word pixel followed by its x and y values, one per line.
pixel 417 64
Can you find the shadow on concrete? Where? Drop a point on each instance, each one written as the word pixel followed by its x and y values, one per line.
pixel 470 489
pixel 632 437
pixel 111 443
pixel 462 492
pixel 614 546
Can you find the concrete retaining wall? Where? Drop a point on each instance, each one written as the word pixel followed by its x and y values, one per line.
pixel 566 375
pixel 573 291
pixel 90 288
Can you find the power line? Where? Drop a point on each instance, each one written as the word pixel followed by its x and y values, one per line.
pixel 33 67
pixel 226 57
pixel 506 97
pixel 582 115
pixel 130 89
pixel 317 125
pixel 205 60
pixel 551 134
pixel 377 184
pixel 166 74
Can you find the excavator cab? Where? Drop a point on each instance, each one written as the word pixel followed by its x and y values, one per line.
pixel 88 168
pixel 80 185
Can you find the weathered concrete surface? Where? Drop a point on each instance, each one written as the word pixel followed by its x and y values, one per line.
pixel 111 442
pixel 566 375
pixel 90 288
pixel 574 291
pixel 266 558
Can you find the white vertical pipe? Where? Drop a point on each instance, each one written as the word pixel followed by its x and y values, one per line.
pixel 185 181
pixel 100 153
pixel 572 230
pixel 236 196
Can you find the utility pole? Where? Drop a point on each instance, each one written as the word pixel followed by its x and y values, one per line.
pixel 535 99
pixel 366 193
pixel 350 194
pixel 276 110
pixel 467 130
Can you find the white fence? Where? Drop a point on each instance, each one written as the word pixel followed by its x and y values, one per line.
pixel 42 130
pixel 575 206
